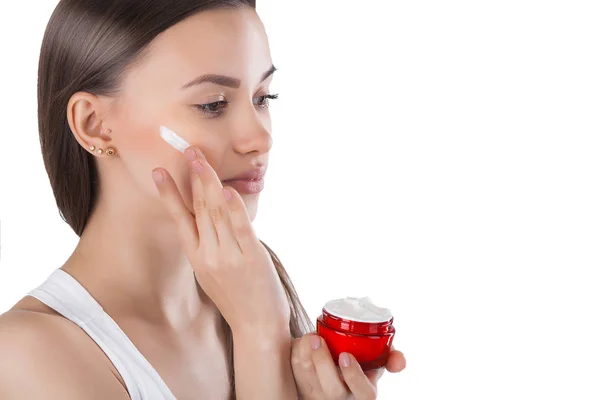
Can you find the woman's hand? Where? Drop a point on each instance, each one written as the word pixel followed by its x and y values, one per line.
pixel 318 378
pixel 231 265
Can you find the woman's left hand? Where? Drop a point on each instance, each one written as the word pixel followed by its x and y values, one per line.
pixel 318 378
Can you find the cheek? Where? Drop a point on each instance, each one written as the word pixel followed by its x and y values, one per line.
pixel 142 150
pixel 146 153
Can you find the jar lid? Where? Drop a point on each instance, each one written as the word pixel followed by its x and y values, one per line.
pixel 359 309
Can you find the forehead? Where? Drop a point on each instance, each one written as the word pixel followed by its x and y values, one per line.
pixel 230 42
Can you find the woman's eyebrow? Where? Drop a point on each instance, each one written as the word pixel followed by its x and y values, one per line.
pixel 224 80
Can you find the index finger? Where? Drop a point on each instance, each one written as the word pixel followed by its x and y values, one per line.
pixel 303 367
pixel 327 371
pixel 360 386
pixel 172 200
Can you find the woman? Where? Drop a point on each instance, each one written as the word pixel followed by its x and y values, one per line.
pixel 168 280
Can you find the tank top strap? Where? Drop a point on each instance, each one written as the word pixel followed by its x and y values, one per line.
pixel 67 296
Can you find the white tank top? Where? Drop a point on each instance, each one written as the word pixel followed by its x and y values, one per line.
pixel 68 297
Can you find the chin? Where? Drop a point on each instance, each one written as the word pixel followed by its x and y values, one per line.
pixel 251 201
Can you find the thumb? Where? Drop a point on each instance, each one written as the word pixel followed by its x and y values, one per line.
pixel 396 361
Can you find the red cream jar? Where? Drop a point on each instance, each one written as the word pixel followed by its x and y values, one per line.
pixel 356 326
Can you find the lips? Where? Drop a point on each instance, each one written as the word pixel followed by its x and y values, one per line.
pixel 246 186
pixel 249 182
pixel 255 173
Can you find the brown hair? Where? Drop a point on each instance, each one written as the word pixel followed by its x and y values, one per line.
pixel 87 46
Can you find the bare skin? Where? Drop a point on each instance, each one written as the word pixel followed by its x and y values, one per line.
pixel 318 378
pixel 130 256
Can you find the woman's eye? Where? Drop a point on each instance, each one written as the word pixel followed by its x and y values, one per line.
pixel 213 108
pixel 263 101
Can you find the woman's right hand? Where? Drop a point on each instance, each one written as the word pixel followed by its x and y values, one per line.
pixel 231 265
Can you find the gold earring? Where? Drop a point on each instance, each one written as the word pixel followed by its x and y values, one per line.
pixel 99 151
pixel 92 148
pixel 110 151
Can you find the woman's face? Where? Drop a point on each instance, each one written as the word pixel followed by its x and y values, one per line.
pixel 234 136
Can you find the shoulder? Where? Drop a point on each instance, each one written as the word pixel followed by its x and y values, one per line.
pixel 41 353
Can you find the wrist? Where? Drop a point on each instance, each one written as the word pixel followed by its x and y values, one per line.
pixel 264 337
pixel 271 325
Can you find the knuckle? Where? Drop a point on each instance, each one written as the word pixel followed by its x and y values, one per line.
pixel 199 204
pixel 236 262
pixel 296 360
pixel 320 358
pixel 216 214
pixel 301 364
pixel 302 360
pixel 244 231
pixel 334 392
pixel 209 262
pixel 306 364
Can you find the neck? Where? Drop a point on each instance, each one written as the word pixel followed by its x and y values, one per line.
pixel 130 259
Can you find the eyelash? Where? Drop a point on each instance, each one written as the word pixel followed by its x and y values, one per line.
pixel 206 108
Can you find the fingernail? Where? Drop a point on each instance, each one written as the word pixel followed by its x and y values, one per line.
pixel 344 360
pixel 315 342
pixel 197 166
pixel 191 153
pixel 158 176
pixel 227 194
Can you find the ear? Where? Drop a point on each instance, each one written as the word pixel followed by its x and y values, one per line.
pixel 85 115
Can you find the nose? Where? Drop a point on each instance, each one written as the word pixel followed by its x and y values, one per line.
pixel 253 134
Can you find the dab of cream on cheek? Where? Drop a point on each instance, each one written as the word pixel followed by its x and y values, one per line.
pixel 357 326
pixel 173 139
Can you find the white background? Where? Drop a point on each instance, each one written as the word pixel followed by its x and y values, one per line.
pixel 440 157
